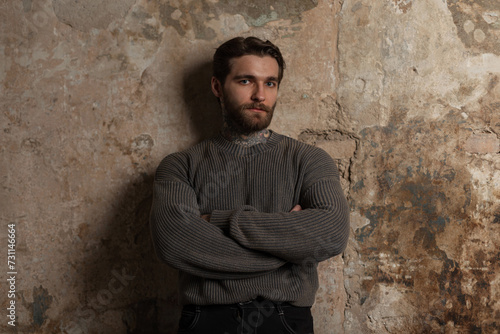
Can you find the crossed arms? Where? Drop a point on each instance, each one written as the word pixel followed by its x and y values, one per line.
pixel 243 243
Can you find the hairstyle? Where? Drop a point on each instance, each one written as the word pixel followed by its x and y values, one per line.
pixel 238 47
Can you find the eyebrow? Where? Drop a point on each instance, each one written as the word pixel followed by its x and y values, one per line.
pixel 249 76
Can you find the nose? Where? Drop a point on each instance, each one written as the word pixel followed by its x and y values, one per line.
pixel 258 93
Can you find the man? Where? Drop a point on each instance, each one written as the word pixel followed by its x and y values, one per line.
pixel 246 216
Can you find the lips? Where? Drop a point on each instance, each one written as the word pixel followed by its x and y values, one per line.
pixel 257 108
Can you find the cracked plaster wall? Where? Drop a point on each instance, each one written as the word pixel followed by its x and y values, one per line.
pixel 404 94
pixel 419 80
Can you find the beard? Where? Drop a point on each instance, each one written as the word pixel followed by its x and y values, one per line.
pixel 244 121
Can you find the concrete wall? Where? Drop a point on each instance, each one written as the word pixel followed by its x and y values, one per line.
pixel 405 94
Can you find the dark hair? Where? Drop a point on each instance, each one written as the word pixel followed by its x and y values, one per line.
pixel 238 47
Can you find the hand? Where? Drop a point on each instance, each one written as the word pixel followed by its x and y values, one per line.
pixel 296 208
pixel 206 217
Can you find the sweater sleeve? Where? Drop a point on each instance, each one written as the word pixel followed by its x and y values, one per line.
pixel 314 234
pixel 189 243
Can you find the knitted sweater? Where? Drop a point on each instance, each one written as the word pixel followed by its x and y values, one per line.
pixel 253 245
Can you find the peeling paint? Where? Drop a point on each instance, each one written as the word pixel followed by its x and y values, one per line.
pixel 41 303
pixel 189 15
pixel 477 24
pixel 403 5
pixel 425 198
pixel 85 15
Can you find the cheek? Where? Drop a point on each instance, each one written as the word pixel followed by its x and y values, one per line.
pixel 242 95
pixel 272 97
pixel 235 91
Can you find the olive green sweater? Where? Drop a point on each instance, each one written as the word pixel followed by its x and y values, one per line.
pixel 253 245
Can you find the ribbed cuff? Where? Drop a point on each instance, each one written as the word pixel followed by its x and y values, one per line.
pixel 220 218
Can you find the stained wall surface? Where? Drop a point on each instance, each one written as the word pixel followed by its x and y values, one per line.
pixel 404 94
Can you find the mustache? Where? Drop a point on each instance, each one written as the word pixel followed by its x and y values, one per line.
pixel 256 106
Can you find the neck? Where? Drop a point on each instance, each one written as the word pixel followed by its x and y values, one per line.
pixel 245 139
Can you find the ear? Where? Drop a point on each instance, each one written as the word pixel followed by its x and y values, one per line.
pixel 216 87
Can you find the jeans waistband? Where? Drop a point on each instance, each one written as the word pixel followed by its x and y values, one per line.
pixel 254 303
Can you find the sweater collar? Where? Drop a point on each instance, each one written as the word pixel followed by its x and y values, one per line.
pixel 236 149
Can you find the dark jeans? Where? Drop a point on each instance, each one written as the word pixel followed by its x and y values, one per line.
pixel 253 317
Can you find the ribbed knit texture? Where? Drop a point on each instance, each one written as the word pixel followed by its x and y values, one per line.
pixel 253 246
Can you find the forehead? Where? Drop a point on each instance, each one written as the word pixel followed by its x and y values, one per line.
pixel 265 66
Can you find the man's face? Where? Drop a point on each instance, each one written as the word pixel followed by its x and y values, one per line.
pixel 249 94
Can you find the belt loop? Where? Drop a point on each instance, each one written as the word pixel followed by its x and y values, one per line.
pixel 197 309
pixel 239 312
pixel 279 308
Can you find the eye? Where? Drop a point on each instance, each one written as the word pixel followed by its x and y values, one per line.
pixel 244 82
pixel 270 84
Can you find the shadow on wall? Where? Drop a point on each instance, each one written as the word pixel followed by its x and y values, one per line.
pixel 126 285
pixel 202 106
